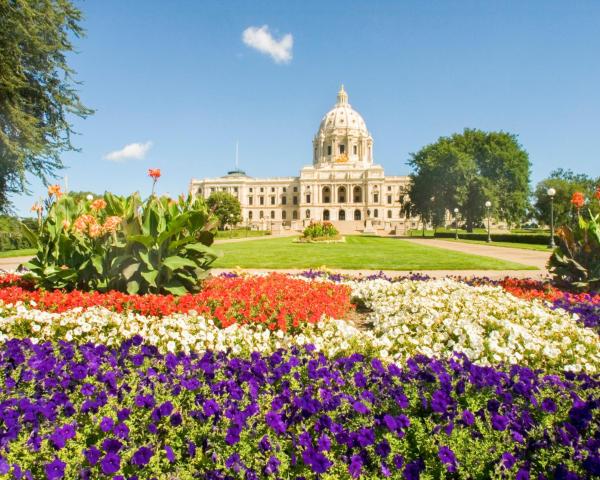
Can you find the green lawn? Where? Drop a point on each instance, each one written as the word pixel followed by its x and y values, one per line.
pixel 24 252
pixel 373 253
pixel 526 246
pixel 240 233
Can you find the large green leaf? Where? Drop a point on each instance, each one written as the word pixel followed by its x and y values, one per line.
pixel 175 261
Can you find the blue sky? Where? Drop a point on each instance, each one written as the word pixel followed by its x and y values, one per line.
pixel 178 75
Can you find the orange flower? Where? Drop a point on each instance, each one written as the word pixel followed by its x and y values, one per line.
pixel 36 207
pixel 82 222
pixel 66 224
pixel 55 190
pixel 578 199
pixel 98 204
pixel 597 193
pixel 154 173
pixel 111 224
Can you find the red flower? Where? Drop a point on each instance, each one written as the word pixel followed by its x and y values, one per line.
pixel 154 173
pixel 578 199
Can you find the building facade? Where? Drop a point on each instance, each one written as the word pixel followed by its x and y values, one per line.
pixel 343 185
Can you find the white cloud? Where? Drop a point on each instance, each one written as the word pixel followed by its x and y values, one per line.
pixel 135 151
pixel 261 39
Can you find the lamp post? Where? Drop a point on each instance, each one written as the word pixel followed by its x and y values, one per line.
pixel 456 223
pixel 488 204
pixel 551 192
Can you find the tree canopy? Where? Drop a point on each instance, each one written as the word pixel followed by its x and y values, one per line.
pixel 226 207
pixel 464 171
pixel 565 182
pixel 37 90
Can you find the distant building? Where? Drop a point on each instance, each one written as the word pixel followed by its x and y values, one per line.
pixel 342 185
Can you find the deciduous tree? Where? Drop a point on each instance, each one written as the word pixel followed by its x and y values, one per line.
pixel 226 207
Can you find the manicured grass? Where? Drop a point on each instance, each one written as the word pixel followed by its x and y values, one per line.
pixel 525 246
pixel 240 233
pixel 358 252
pixel 18 253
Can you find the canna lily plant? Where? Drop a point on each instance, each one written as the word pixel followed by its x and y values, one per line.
pixel 124 243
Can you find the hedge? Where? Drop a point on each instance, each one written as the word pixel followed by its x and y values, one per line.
pixel 535 238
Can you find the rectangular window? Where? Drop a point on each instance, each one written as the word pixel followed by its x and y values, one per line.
pixel 250 200
pixel 262 189
pixel 389 189
pixel 329 150
pixel 272 189
pixel 212 189
pixel 250 189
pixel 295 189
pixel 342 149
pixel 375 197
pixel 295 200
pixel 284 200
pixel 283 215
pixel 284 189
pixel 389 199
pixel 308 199
pixel 262 200
pixel 235 189
pixel 272 213
pixel 272 200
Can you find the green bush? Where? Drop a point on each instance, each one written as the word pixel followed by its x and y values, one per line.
pixel 123 243
pixel 533 238
pixel 11 233
pixel 324 230
pixel 576 261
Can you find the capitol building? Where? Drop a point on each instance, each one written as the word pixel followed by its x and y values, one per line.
pixel 343 185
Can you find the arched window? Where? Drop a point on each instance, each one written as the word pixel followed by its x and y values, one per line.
pixel 249 215
pixel 357 194
pixel 283 215
pixel 389 214
pixel 325 214
pixel 326 195
pixel 342 195
pixel 375 213
pixel 356 214
pixel 342 215
pixel 294 215
pixel 308 214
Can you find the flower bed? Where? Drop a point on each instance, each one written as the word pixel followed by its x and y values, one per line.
pixel 88 412
pixel 276 300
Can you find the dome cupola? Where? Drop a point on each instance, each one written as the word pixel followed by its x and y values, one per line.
pixel 342 136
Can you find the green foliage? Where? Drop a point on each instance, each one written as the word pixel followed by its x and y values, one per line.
pixel 576 261
pixel 226 207
pixel 565 182
pixel 37 90
pixel 11 234
pixel 153 246
pixel 320 230
pixel 533 238
pixel 464 171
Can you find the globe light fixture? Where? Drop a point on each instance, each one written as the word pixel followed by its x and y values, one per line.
pixel 488 204
pixel 551 192
pixel 456 223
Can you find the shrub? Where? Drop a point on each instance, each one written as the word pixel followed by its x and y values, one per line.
pixel 576 261
pixel 531 238
pixel 123 243
pixel 320 230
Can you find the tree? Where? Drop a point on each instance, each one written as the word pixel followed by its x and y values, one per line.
pixel 565 182
pixel 226 207
pixel 467 169
pixel 37 90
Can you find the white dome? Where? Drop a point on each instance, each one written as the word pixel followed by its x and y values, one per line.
pixel 343 137
pixel 343 118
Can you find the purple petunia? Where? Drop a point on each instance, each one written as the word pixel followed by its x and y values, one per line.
pixel 142 456
pixel 55 470
pixel 499 422
pixel 111 463
pixel 447 457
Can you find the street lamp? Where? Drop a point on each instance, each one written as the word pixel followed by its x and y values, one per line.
pixel 551 192
pixel 488 204
pixel 456 222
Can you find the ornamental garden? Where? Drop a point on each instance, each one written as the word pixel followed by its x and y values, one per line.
pixel 123 357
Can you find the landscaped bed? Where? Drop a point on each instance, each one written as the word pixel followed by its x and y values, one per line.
pixel 301 377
